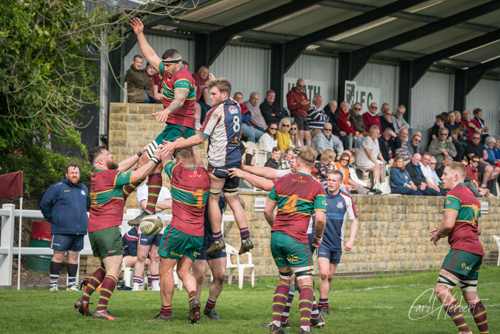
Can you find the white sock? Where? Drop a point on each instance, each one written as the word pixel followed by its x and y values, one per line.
pixel 156 284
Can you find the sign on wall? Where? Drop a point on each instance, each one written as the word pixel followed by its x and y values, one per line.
pixel 363 95
pixel 260 203
pixel 312 88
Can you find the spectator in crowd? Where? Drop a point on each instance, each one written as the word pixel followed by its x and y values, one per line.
pixel 387 144
pixel 386 121
pixel 286 159
pixel 354 176
pixel 270 108
pixel 283 135
pixel 472 178
pixel 325 140
pixel 400 180
pixel 402 137
pixel 156 90
pixel 316 116
pixel 438 125
pixel 471 124
pixel 458 117
pixel 478 113
pixel 425 165
pixel 496 149
pixel 436 178
pixel 398 119
pixel 357 120
pixel 258 120
pixel 452 124
pixel 64 206
pixel 147 247
pixel 369 156
pixel 332 112
pixel 273 161
pixel 462 135
pixel 440 170
pixel 202 96
pixel 298 105
pixel 324 165
pixel 345 124
pixel 129 241
pixel 459 146
pixel 490 151
pixel 294 135
pixel 247 130
pixel 343 166
pixel 138 82
pixel 417 176
pixel 384 107
pixel 371 118
pixel 414 146
pixel 441 146
pixel 488 171
pixel 269 139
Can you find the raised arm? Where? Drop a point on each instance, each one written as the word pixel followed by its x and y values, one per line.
pixel 267 172
pixel 256 181
pixel 146 49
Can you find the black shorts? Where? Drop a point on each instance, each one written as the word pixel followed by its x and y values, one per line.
pixel 301 122
pixel 231 184
pixel 481 167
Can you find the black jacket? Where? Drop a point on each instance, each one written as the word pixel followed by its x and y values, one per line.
pixel 414 174
pixel 266 109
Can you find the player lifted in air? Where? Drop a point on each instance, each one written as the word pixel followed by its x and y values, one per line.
pixel 223 126
pixel 179 99
pixel 462 225
pixel 183 238
pixel 298 196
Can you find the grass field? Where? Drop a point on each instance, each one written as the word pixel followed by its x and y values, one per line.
pixel 394 304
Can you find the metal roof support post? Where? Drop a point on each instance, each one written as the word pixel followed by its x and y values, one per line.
pixel 345 63
pixel 277 73
pixel 405 79
pixel 459 94
pixel 200 51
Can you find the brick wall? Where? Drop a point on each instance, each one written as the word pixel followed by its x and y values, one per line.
pixel 393 234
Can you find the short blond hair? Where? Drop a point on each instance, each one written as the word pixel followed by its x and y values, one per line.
pixel 222 84
pixel 457 167
pixel 307 155
pixel 327 155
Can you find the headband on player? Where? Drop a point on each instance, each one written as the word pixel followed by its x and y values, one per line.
pixel 172 61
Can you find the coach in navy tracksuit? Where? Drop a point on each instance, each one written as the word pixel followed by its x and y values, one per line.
pixel 64 205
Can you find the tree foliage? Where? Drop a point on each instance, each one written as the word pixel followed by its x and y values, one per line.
pixel 48 72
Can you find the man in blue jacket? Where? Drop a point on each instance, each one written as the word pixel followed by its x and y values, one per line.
pixel 64 205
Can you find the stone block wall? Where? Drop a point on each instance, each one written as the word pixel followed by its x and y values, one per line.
pixel 393 233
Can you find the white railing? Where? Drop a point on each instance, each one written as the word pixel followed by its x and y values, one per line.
pixel 8 213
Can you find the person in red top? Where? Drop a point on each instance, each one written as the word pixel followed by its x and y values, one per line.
pixel 155 91
pixel 371 118
pixel 299 104
pixel 202 96
pixel 462 225
pixel 106 215
pixel 179 95
pixel 345 124
pixel 471 124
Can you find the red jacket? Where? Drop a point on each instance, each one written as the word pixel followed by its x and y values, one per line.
pixel 293 100
pixel 343 125
pixel 369 121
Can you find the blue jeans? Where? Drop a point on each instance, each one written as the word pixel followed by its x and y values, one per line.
pixel 405 191
pixel 252 134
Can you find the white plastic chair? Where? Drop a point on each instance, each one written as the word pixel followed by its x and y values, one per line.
pixel 231 251
pixel 497 239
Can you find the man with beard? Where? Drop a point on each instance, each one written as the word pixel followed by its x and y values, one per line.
pixel 64 206
pixel 106 215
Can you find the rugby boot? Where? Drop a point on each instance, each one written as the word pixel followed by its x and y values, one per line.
pixel 302 331
pixel 194 310
pixel 137 220
pixel 285 324
pixel 211 313
pixel 246 245
pixel 161 318
pixel 276 330
pixel 83 308
pixel 318 322
pixel 104 315
pixel 324 311
pixel 216 246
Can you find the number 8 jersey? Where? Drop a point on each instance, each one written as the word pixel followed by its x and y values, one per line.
pixel 223 126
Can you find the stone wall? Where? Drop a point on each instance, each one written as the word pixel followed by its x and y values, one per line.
pixel 393 234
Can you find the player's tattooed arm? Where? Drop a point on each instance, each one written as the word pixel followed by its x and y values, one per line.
pixel 180 96
pixel 202 136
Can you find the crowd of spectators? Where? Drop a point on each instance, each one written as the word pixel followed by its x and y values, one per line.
pixel 380 141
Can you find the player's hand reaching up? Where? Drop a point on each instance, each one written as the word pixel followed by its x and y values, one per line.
pixel 137 25
pixel 161 116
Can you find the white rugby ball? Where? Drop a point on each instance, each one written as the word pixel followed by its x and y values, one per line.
pixel 151 225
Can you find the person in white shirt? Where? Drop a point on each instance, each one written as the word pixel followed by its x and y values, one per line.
pixel 149 245
pixel 427 171
pixel 268 140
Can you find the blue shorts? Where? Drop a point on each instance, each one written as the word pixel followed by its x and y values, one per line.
pixel 231 184
pixel 310 239
pixel 67 242
pixel 203 252
pixel 333 256
pixel 145 240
